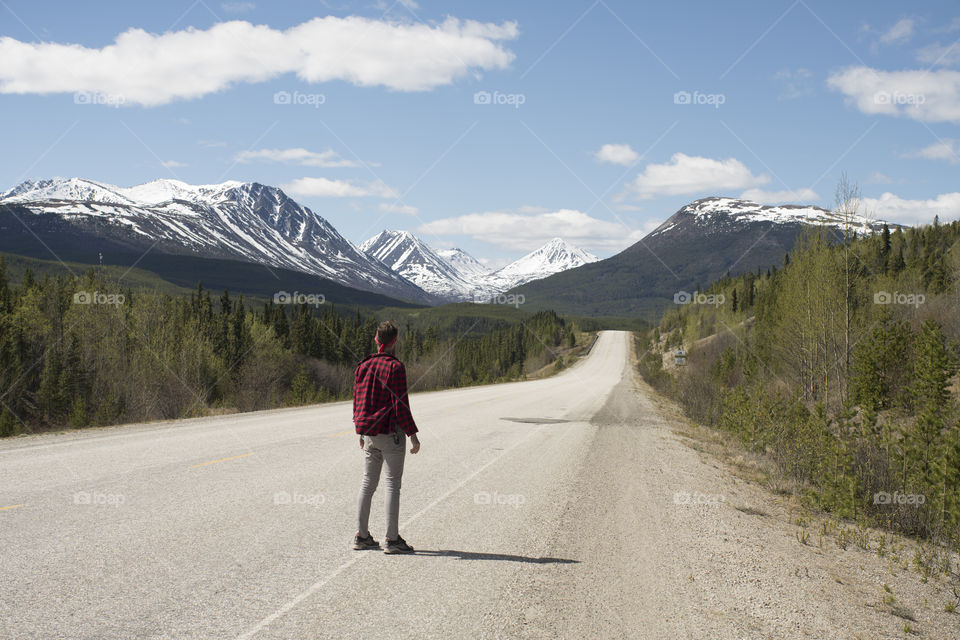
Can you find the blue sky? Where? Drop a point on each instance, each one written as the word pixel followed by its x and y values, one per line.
pixel 493 125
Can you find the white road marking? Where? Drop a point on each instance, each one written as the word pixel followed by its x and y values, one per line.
pixel 287 607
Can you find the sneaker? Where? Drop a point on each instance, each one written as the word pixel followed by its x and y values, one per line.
pixel 398 546
pixel 362 544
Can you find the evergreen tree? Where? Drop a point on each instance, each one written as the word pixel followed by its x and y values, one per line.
pixel 885 248
pixel 748 291
pixel 934 365
pixel 50 397
pixel 281 327
pixel 879 360
pixel 927 447
pixel 5 297
pixel 9 426
pixel 73 383
pixel 221 343
pixel 78 413
pixel 302 331
pixel 302 388
pixel 240 335
pixel 898 264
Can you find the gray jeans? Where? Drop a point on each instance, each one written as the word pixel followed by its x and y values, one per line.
pixel 376 451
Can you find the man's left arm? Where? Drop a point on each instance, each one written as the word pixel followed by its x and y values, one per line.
pixel 402 413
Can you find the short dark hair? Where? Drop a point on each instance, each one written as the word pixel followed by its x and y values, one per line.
pixel 387 332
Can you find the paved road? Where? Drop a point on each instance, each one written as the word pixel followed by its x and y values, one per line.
pixel 239 526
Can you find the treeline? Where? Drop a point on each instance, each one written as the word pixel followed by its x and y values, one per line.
pixel 509 352
pixel 82 351
pixel 839 366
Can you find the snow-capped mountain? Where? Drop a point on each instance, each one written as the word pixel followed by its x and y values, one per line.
pixel 555 256
pixel 416 261
pixel 243 221
pixel 456 275
pixel 710 215
pixel 698 244
pixel 468 266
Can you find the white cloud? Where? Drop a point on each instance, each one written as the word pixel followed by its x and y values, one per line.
pixel 940 55
pixel 527 231
pixel 650 224
pixel 325 159
pixel 879 178
pixel 149 69
pixel 326 188
pixel 617 154
pixel 912 212
pixel 172 164
pixel 405 209
pixel 237 7
pixel 928 96
pixel 900 32
pixel 794 196
pixel 693 174
pixel 947 149
pixel 386 5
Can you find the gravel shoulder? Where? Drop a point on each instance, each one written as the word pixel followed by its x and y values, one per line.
pixel 672 544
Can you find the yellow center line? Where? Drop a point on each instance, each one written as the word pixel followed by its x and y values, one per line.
pixel 13 506
pixel 203 464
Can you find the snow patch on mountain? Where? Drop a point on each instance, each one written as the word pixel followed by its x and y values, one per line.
pixel 69 189
pixel 416 261
pixel 468 266
pixel 715 210
pixel 159 191
pixel 555 256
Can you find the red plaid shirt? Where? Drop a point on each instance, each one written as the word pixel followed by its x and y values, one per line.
pixel 380 402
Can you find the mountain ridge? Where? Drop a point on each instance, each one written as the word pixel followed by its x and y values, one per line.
pixel 456 275
pixel 696 245
pixel 238 220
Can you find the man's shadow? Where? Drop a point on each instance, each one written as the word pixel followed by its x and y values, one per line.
pixel 505 557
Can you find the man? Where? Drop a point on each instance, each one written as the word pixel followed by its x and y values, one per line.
pixel 381 413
